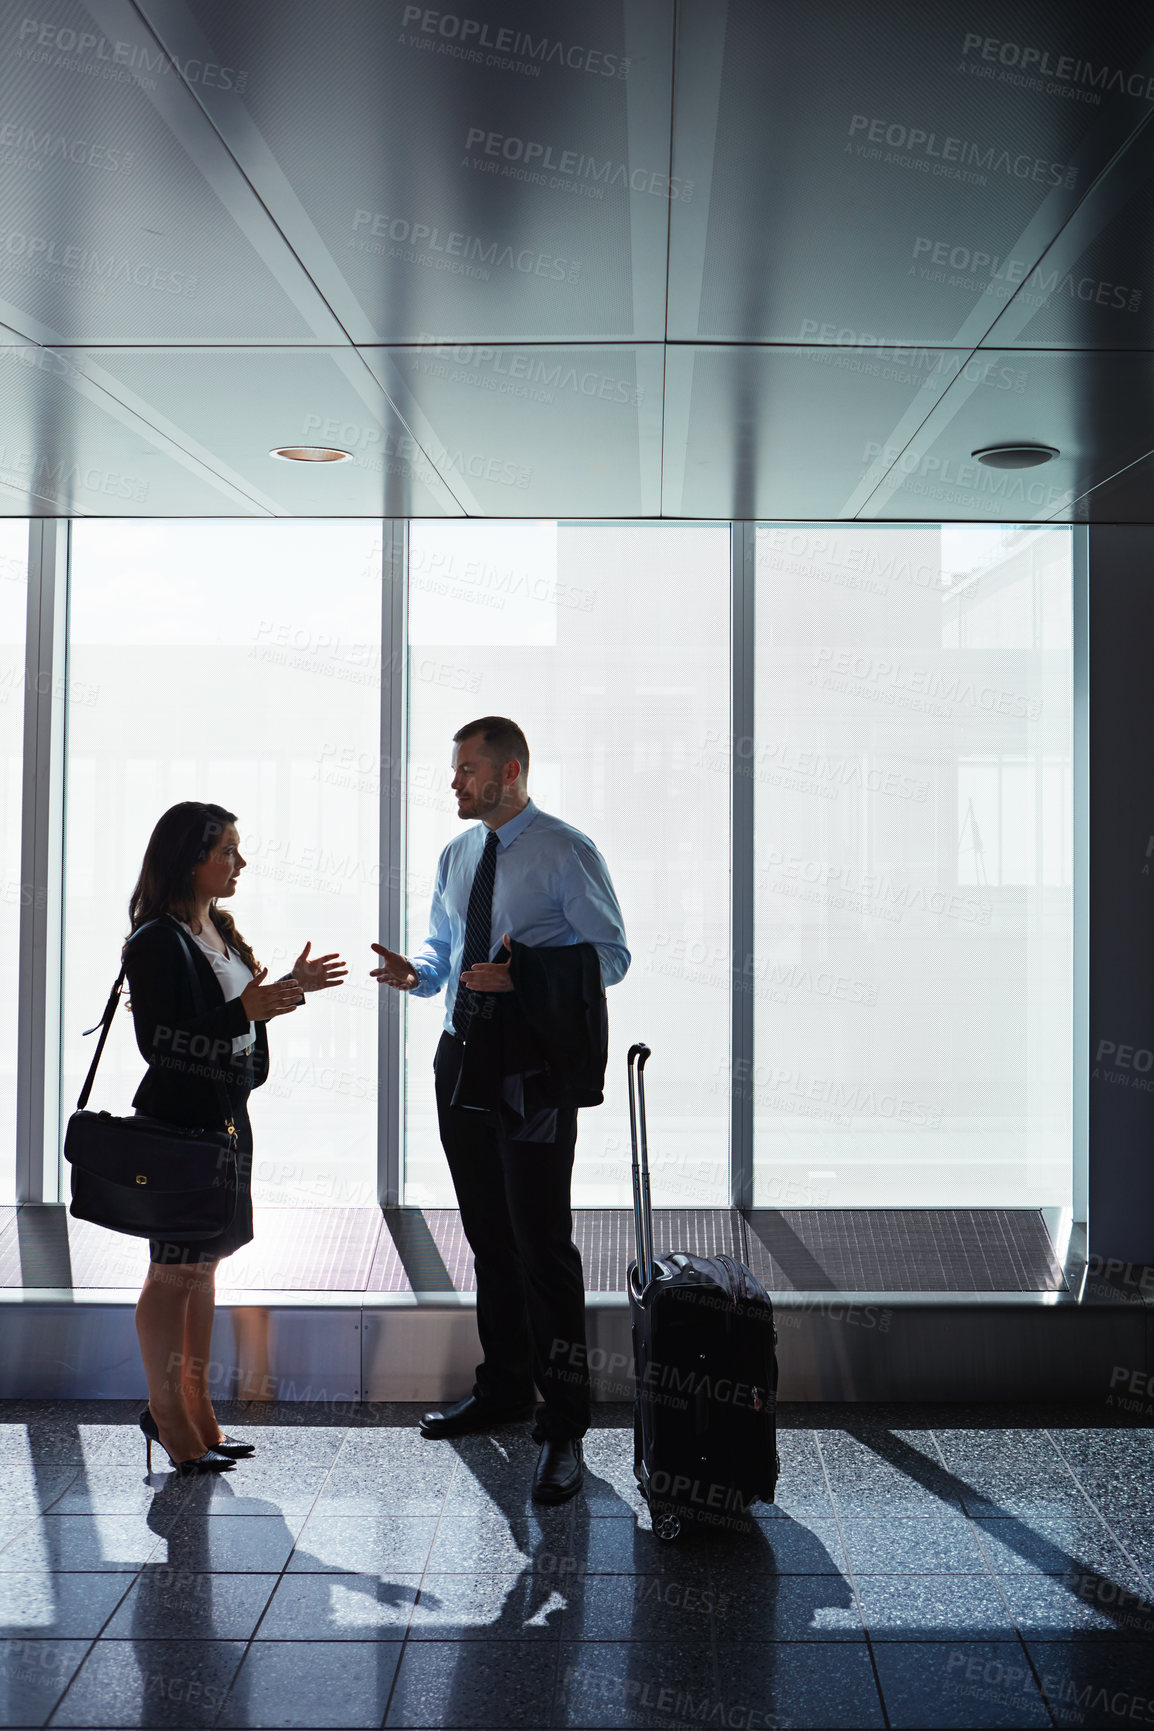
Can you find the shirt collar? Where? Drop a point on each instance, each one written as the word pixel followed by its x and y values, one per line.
pixel 509 832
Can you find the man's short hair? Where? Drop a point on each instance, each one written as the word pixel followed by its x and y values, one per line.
pixel 502 738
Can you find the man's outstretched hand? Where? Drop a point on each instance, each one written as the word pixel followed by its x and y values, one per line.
pixel 397 971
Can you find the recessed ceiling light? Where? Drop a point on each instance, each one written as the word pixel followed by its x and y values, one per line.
pixel 1015 456
pixel 311 454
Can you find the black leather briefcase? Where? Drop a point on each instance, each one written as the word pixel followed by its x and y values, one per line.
pixel 145 1176
pixel 149 1178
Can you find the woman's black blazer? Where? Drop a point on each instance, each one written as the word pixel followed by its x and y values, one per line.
pixel 185 1052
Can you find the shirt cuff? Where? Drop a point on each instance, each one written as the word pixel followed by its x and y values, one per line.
pixel 427 985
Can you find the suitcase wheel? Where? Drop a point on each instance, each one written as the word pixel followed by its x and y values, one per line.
pixel 666 1525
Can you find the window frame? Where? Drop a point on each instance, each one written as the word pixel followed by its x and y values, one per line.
pixel 41 1112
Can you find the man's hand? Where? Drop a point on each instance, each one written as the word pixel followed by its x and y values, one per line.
pixel 321 971
pixel 489 976
pixel 397 971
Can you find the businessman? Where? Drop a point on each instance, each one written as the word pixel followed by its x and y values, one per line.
pixel 525 933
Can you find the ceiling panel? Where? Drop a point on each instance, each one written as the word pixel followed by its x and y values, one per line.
pixel 68 449
pixel 1127 497
pixel 237 404
pixel 778 432
pixel 863 167
pixel 608 258
pixel 122 217
pixel 500 174
pixel 1097 409
pixel 1094 287
pixel 536 432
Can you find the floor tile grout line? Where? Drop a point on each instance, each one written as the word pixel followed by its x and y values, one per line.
pixel 1044 1431
pixel 116 1607
pixel 457 1463
pixel 20 1531
pixel 970 1518
pixel 59 1702
pixel 81 1465
pixel 976 1532
pixel 1021 1639
pixel 136 1576
pixel 562 1637
pixel 989 1514
pixel 851 1575
pixel 970 1522
pixel 554 1645
pixel 1099 1512
pixel 1091 1506
pixel 280 1577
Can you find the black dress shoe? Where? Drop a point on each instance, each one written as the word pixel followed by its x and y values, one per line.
pixel 560 1471
pixel 471 1414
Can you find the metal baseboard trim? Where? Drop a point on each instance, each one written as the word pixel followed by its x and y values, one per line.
pixel 350 1347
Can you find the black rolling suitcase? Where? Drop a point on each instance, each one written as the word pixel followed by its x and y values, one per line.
pixel 704 1416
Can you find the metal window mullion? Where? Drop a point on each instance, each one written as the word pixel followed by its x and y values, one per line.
pixel 1081 873
pixel 42 865
pixel 742 559
pixel 391 1005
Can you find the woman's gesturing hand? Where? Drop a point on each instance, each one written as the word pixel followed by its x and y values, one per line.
pixel 321 971
pixel 262 1003
pixel 397 972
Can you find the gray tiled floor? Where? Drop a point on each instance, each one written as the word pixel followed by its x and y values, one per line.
pixel 924 1566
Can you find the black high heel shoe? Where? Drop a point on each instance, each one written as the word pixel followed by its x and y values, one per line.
pixel 236 1451
pixel 208 1462
pixel 227 1446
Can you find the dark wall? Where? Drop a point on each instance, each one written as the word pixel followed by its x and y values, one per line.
pixel 1121 655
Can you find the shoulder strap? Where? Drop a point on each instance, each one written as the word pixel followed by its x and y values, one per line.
pixel 104 1025
pixel 198 1005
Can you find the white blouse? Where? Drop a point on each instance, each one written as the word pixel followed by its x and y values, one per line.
pixel 233 974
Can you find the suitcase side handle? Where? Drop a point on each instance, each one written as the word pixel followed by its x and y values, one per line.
pixel 642 1211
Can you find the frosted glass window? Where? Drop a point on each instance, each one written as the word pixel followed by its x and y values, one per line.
pixel 238 663
pixel 13 625
pixel 609 645
pixel 913 849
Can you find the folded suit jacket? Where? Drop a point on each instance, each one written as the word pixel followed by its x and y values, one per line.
pixel 552 1031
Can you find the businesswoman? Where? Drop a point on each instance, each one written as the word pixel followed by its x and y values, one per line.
pixel 198 1039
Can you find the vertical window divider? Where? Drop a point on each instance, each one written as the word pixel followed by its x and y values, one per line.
pixel 743 549
pixel 392 779
pixel 1081 882
pixel 42 864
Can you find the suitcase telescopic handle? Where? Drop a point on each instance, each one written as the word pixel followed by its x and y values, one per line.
pixel 642 1211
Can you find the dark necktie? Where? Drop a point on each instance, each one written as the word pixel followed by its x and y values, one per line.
pixel 478 929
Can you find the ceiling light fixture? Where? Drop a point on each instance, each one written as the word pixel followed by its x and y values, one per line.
pixel 1015 456
pixel 311 454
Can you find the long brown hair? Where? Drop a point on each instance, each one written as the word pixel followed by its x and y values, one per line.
pixel 184 836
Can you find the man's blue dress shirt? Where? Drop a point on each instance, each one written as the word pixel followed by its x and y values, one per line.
pixel 552 887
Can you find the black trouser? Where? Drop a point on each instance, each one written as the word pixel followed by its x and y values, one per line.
pixel 515 1210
